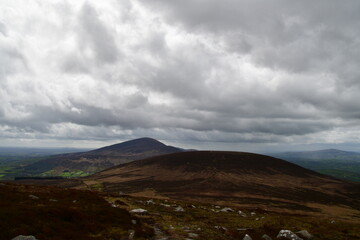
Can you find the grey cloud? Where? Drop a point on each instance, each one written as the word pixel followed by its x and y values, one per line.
pixel 96 35
pixel 213 71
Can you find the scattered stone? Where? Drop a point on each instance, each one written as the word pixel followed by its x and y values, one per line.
pixel 193 235
pixel 224 229
pixel 192 206
pixel 148 202
pixel 33 197
pixel 227 209
pixel 253 213
pixel 114 205
pixel 333 221
pixel 241 213
pixel 305 234
pixel 242 229
pixel 257 219
pixel 53 200
pixel 133 221
pixel 247 237
pixel 138 210
pixel 131 234
pixel 266 237
pixel 288 234
pixel 179 209
pixel 165 205
pixel 22 237
pixel 217 207
pixel 74 201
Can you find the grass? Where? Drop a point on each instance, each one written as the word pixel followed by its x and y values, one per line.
pixel 57 213
pixel 208 222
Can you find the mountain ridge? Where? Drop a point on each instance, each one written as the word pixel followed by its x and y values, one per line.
pixel 101 158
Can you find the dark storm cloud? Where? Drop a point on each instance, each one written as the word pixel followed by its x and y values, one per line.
pixel 216 71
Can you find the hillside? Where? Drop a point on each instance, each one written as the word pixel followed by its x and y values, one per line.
pixel 337 163
pixel 57 214
pixel 226 195
pixel 244 178
pixel 84 163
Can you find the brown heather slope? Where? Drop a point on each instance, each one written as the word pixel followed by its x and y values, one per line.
pixel 51 213
pixel 102 158
pixel 228 177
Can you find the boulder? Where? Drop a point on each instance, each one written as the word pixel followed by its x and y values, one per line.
pixel 227 209
pixel 266 237
pixel 179 209
pixel 247 237
pixel 305 234
pixel 287 234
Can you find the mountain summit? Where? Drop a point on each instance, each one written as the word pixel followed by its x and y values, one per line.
pixel 96 160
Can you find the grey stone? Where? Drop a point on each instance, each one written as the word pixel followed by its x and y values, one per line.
pixel 227 209
pixel 33 197
pixel 305 234
pixel 288 235
pixel 22 237
pixel 138 210
pixel 266 237
pixel 179 209
pixel 247 237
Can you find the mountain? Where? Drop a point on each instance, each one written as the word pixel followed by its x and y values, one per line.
pixel 337 163
pixel 327 154
pixel 245 178
pixel 83 163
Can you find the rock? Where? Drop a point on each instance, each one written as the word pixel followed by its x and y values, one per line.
pixel 74 201
pixel 193 235
pixel 227 209
pixel 165 205
pixel 305 234
pixel 192 206
pixel 253 213
pixel 179 209
pixel 133 221
pixel 22 237
pixel 33 197
pixel 53 200
pixel 138 210
pixel 148 202
pixel 288 235
pixel 218 207
pixel 266 237
pixel 241 213
pixel 131 234
pixel 247 237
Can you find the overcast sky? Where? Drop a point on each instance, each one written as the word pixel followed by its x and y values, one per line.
pixel 242 75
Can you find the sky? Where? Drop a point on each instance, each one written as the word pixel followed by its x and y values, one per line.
pixel 249 75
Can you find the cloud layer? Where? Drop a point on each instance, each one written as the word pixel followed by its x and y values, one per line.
pixel 192 70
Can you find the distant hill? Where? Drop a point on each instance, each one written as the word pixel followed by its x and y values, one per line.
pixel 84 163
pixel 236 177
pixel 327 154
pixel 337 163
